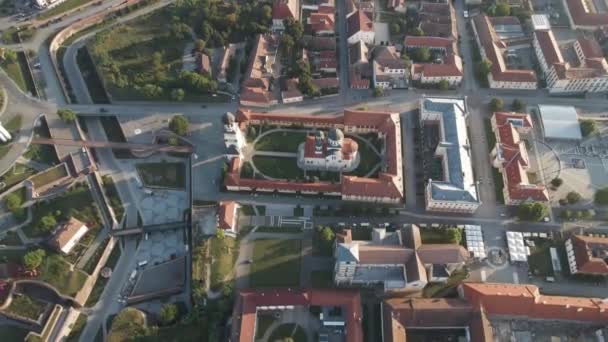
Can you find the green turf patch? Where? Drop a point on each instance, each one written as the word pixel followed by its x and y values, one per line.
pixel 163 174
pixel 278 167
pixel 281 141
pixel 272 257
pixel 27 307
pixel 224 252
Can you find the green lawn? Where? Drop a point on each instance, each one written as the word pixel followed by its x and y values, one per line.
pixel 284 141
pixel 436 236
pixel 56 272
pixel 163 174
pixel 14 71
pixel 278 167
pixel 61 8
pixel 12 333
pixel 77 328
pixel 276 257
pixel 369 159
pixel 49 176
pixel 286 330
pixel 14 175
pixel 224 252
pixel 322 279
pixel 263 322
pixel 125 324
pixel 77 202
pixel 27 307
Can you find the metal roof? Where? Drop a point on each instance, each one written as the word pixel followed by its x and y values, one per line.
pixel 560 122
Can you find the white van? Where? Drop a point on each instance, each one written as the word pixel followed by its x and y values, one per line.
pixel 142 263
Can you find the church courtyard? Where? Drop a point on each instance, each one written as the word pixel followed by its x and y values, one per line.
pixel 272 154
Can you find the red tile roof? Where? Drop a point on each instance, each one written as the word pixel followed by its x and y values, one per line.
pixel 430 42
pixel 591 254
pixel 389 182
pixel 549 47
pixel 322 22
pixel 283 9
pixel 515 158
pixel 226 214
pixel 581 17
pixel 245 310
pixel 442 254
pixel 452 67
pixel 527 301
pixel 326 82
pixel 590 47
pixel 491 44
pixel 359 21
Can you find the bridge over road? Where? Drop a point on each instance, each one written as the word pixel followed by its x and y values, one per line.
pixel 149 229
pixel 114 145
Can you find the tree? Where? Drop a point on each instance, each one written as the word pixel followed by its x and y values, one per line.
pixel 573 197
pixel 173 141
pixel 32 260
pixel 13 203
pixel 423 54
pixel 588 127
pixel 66 115
pixel 179 125
pixel 200 45
pixel 10 56
pixel 496 104
pixel 601 196
pixel 47 223
pixel 178 94
pixel 395 28
pixel 557 182
pixel 168 314
pixel 327 234
pixel 287 44
pixel 179 31
pixel 518 105
pixel 566 214
pixel 293 28
pixel 444 85
pixel 483 67
pixel 151 91
pixel 532 211
pixel 417 32
pixel 378 92
pixel 503 9
pixel 454 235
pixel 219 234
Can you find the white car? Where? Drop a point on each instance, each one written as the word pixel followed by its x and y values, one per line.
pixel 466 14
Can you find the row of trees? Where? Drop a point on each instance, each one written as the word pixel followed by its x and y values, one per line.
pixel 497 105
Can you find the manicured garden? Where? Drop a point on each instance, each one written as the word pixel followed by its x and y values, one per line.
pixel 441 235
pixel 369 159
pixel 27 307
pixel 278 167
pixel 49 176
pixel 13 70
pixel 272 257
pixel 77 202
pixel 288 330
pixel 281 141
pixel 56 272
pixel 163 174
pixel 14 175
pixel 112 193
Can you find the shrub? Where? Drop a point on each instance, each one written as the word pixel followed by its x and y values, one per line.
pixel 496 104
pixel 532 211
pixel 179 125
pixel 168 314
pixel 588 127
pixel 573 197
pixel 601 196
pixel 66 115
pixel 32 260
pixel 557 182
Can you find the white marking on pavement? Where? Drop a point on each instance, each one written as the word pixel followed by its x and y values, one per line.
pixel 515 277
pixel 483 275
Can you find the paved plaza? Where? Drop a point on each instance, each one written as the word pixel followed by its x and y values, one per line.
pixel 163 206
